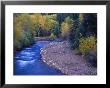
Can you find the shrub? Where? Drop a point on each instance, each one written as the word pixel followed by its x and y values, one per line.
pixel 64 29
pixel 23 33
pixel 91 57
pixel 23 39
pixel 81 18
pixel 17 45
pixel 67 20
pixel 26 39
pixel 87 44
pixel 52 36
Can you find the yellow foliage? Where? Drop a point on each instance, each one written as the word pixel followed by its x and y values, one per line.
pixel 81 18
pixel 41 21
pixel 86 44
pixel 19 23
pixel 50 22
pixel 53 16
pixel 34 19
pixel 37 20
pixel 17 27
pixel 52 35
pixel 64 29
pixel 67 20
pixel 33 22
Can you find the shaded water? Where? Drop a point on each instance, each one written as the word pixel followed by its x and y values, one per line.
pixel 29 62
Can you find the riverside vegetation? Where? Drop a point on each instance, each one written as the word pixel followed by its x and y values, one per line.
pixel 73 39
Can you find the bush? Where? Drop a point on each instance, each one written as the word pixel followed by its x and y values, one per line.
pixel 30 37
pixel 91 57
pixel 88 48
pixel 17 45
pixel 23 33
pixel 23 39
pixel 87 44
pixel 52 36
pixel 27 39
pixel 64 29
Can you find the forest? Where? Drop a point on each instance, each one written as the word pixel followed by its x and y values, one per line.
pixel 79 30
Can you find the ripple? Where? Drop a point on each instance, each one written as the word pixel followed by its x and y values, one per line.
pixel 22 63
pixel 29 62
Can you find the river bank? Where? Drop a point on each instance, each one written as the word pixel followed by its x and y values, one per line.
pixel 60 56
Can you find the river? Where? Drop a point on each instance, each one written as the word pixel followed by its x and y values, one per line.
pixel 28 61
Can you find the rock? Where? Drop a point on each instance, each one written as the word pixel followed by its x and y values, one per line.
pixel 60 56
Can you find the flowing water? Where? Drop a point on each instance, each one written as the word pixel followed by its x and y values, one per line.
pixel 28 61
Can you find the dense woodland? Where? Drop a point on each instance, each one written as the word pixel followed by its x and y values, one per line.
pixel 80 30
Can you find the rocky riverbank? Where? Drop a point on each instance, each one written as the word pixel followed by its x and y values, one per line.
pixel 60 56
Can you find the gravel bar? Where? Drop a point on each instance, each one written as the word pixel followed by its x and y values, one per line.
pixel 60 56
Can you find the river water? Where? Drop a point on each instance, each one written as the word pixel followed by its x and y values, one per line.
pixel 28 61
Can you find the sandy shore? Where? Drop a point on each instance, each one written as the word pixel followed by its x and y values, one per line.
pixel 60 56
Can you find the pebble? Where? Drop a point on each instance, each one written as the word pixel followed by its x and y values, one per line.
pixel 57 53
